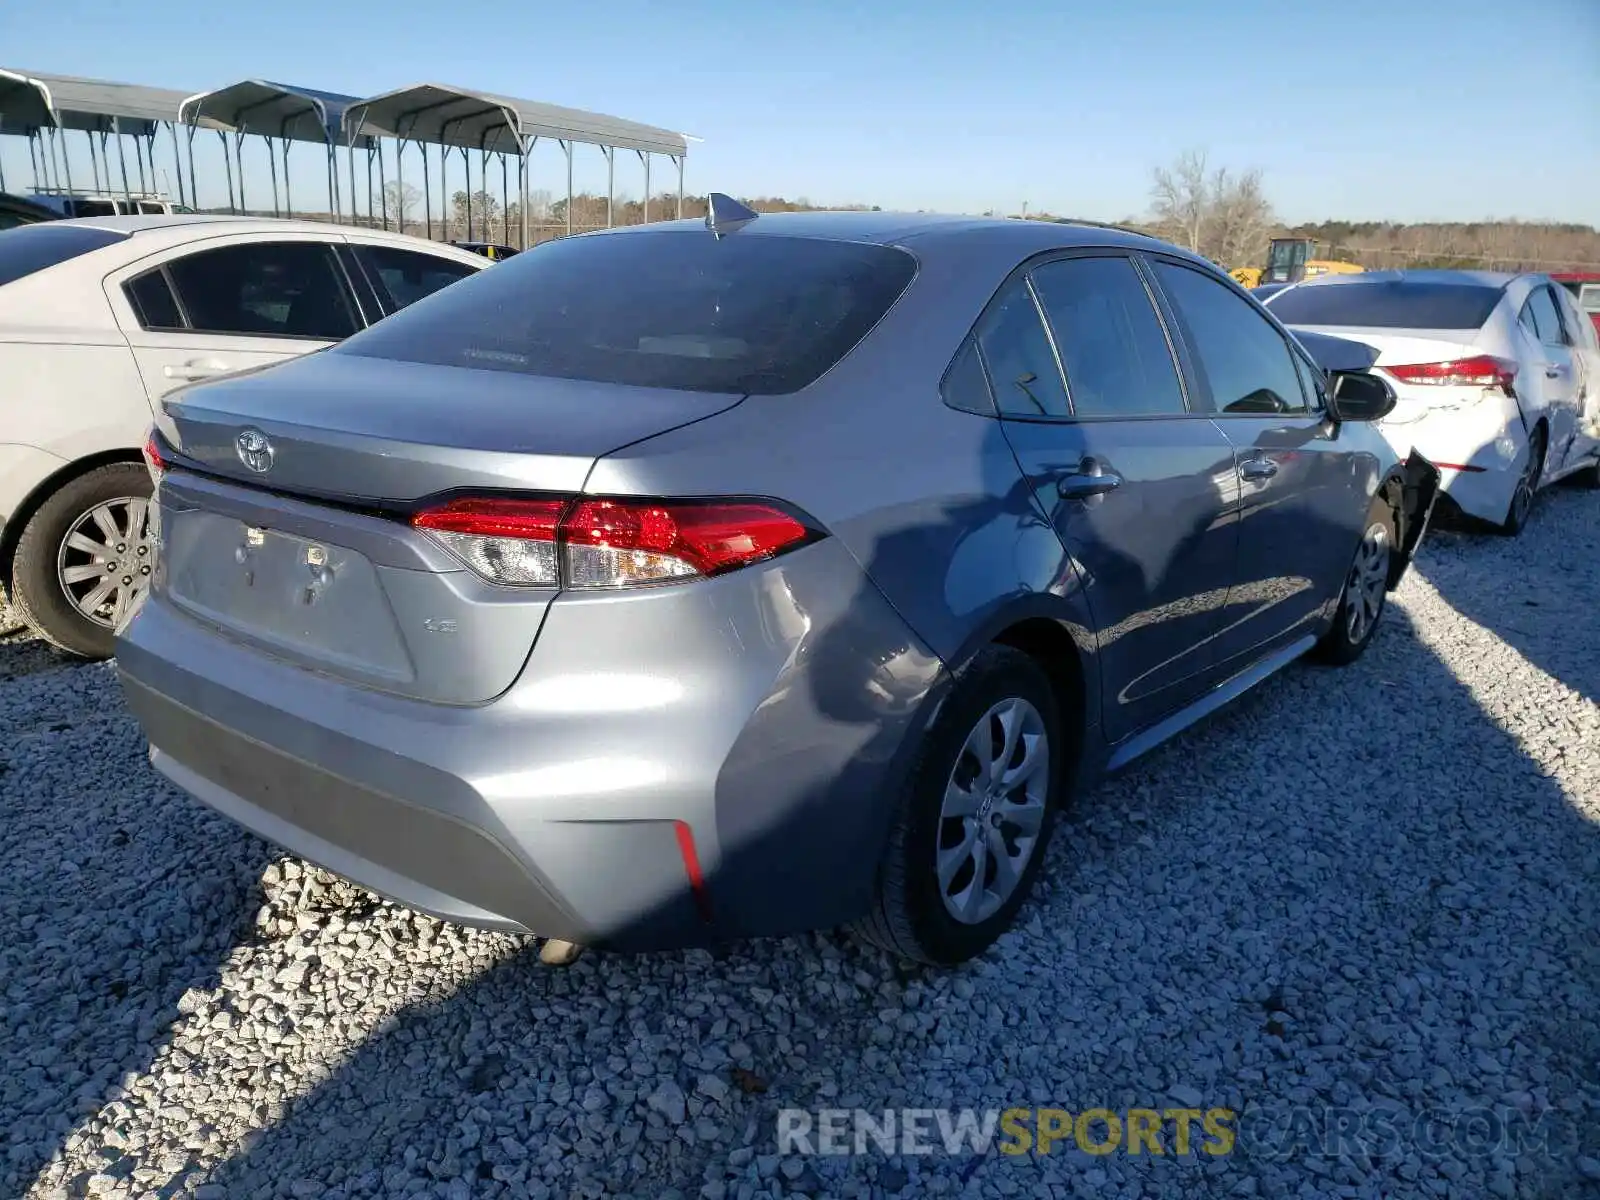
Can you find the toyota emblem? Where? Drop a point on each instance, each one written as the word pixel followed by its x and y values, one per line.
pixel 255 451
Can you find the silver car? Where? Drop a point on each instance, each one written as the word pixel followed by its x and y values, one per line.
pixel 676 584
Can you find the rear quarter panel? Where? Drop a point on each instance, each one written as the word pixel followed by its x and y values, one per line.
pixel 72 397
pixel 929 501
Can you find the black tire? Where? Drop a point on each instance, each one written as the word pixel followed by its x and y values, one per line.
pixel 909 917
pixel 1521 506
pixel 1589 477
pixel 36 589
pixel 1345 641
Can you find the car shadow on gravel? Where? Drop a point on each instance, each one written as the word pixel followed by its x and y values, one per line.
pixel 119 896
pixel 1351 892
pixel 1536 590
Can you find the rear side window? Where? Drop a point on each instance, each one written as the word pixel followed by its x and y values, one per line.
pixel 1245 362
pixel 153 302
pixel 1539 315
pixel 268 289
pixel 32 248
pixel 671 309
pixel 407 276
pixel 1387 305
pixel 1016 349
pixel 1115 354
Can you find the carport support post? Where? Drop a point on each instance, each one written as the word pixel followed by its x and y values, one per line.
pixel 611 184
pixel 238 154
pixel 444 187
pixel 60 138
pixel 272 167
pixel 522 189
pixel 194 184
pixel 177 162
pixel 288 191
pixel 567 148
pixel 505 200
pixel 227 164
pixel 122 160
pixel 427 199
pixel 466 174
pixel 645 157
pixel 680 187
pixel 383 190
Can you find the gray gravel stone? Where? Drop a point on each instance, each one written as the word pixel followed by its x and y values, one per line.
pixel 1370 888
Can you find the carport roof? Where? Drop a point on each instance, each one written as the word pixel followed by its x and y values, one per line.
pixel 32 99
pixel 452 116
pixel 272 109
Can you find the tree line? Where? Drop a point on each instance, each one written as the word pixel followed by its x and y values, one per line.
pixel 1218 211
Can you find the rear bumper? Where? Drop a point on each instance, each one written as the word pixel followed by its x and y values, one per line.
pixel 1479 449
pixel 758 721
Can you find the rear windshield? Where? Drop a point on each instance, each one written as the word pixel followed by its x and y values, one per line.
pixel 1387 305
pixel 31 248
pixel 669 308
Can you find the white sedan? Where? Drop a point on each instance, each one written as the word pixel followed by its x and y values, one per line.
pixel 1498 376
pixel 102 317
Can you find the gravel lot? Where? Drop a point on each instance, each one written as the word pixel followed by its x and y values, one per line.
pixel 1373 889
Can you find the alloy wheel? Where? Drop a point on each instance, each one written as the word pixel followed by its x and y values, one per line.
pixel 105 560
pixel 993 810
pixel 1368 580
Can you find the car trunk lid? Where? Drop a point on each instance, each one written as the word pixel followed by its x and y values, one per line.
pixel 312 559
pixel 1411 346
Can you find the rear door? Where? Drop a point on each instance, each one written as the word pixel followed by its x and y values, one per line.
pixel 1139 490
pixel 1550 351
pixel 229 305
pixel 1303 489
pixel 1586 365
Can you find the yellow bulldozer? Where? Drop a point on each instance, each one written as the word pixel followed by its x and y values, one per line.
pixel 1289 260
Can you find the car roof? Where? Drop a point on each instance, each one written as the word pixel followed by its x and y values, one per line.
pixel 158 231
pixel 152 222
pixel 893 228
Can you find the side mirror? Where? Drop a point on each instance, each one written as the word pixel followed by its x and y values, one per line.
pixel 1360 396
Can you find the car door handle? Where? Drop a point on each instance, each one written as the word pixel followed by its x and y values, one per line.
pixel 1091 479
pixel 1257 468
pixel 194 370
pixel 1552 370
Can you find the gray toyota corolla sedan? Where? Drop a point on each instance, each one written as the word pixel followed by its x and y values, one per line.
pixel 710 580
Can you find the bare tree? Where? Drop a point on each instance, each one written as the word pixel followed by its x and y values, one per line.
pixel 1241 218
pixel 1180 198
pixel 401 200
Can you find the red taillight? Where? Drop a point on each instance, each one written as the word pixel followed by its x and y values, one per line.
pixel 1482 370
pixel 152 454
pixel 609 543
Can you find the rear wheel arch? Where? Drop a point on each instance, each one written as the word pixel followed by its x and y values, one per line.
pixel 1056 651
pixel 47 487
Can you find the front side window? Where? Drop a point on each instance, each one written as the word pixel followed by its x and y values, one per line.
pixel 1016 349
pixel 407 276
pixel 265 289
pixel 746 314
pixel 1112 347
pixel 1246 364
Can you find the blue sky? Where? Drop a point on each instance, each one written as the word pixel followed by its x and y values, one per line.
pixel 1408 109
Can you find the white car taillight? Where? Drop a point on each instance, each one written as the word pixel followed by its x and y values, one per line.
pixel 1484 370
pixel 602 543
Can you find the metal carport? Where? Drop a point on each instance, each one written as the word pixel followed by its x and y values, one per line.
pixel 279 113
pixel 43 107
pixel 460 118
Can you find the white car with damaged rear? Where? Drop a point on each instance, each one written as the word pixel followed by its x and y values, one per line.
pixel 1497 376
pixel 102 317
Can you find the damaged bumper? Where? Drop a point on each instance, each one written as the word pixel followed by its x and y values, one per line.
pixel 1419 492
